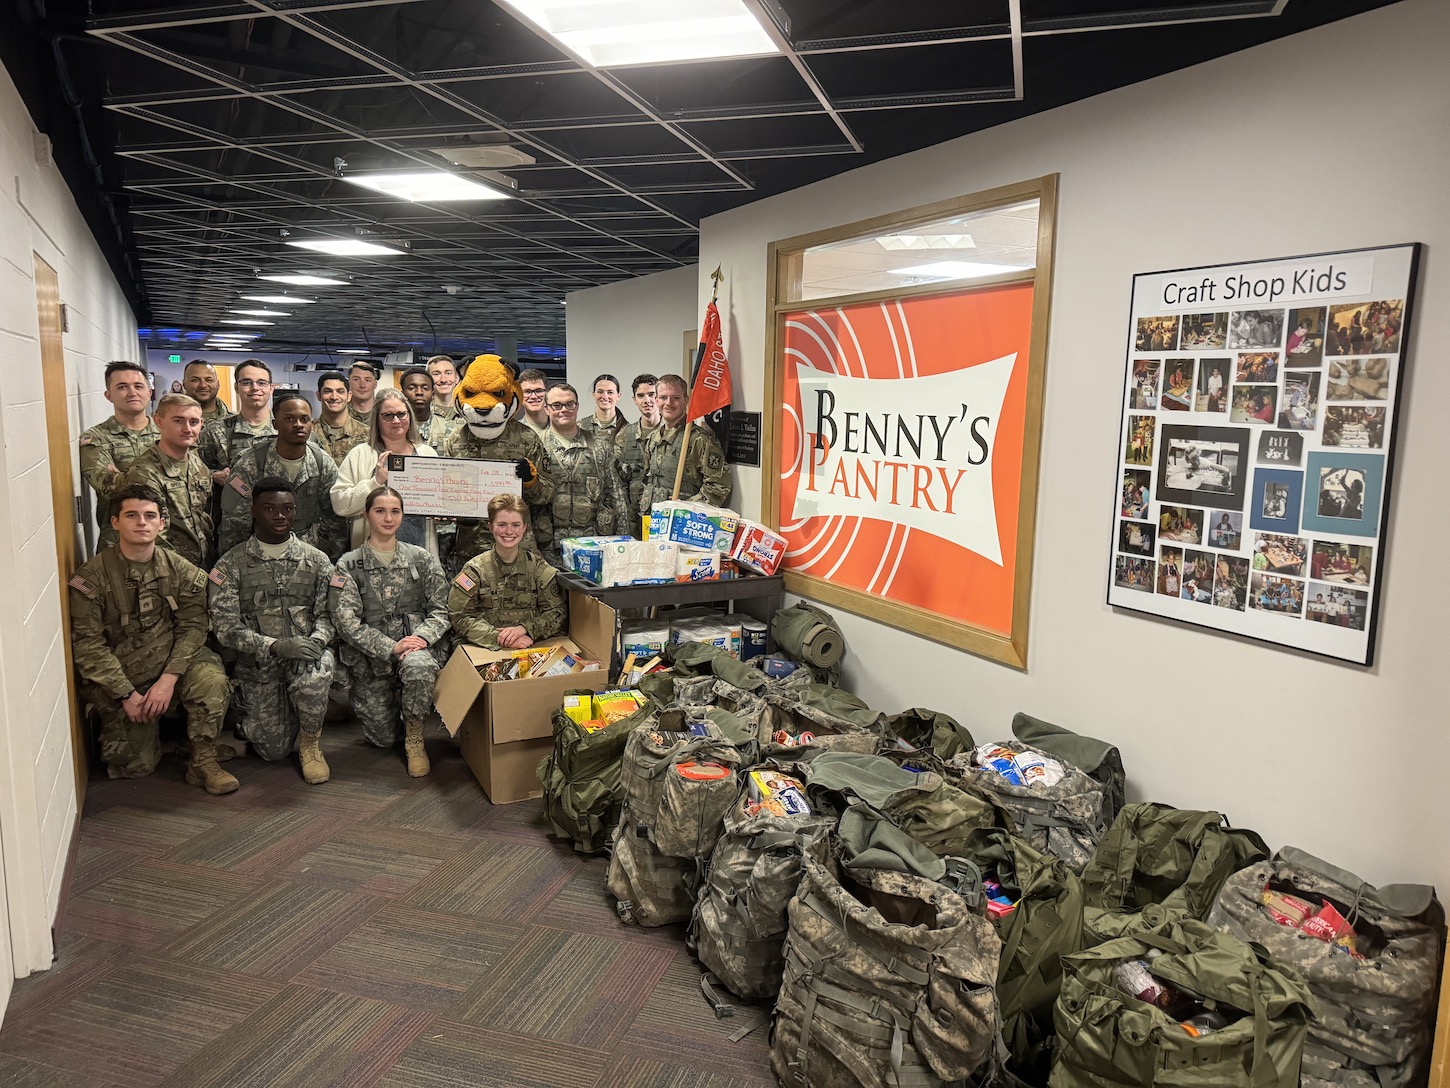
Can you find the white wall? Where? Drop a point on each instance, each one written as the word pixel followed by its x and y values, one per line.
pixel 1292 152
pixel 632 327
pixel 37 785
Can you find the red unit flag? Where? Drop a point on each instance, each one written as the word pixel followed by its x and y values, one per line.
pixel 712 390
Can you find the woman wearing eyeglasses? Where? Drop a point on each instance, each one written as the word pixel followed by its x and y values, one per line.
pixel 392 431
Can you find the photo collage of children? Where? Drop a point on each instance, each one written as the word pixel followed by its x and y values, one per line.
pixel 1253 463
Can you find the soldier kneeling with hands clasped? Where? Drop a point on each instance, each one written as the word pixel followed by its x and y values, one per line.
pixel 138 623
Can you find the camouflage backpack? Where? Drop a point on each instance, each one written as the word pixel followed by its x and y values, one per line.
pixel 819 709
pixel 738 929
pixel 1373 1027
pixel 1160 864
pixel 1098 758
pixel 649 888
pixel 1045 925
pixel 1065 819
pixel 582 790
pixel 931 731
pixel 889 980
pixel 1107 1037
pixel 679 775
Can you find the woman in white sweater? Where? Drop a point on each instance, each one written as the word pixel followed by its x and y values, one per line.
pixel 392 431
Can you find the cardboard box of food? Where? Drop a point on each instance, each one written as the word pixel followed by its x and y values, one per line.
pixel 505 727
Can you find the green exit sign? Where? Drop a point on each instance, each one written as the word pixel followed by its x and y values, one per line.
pixel 173 358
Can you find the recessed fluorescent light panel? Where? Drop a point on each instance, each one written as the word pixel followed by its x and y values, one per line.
pixel 926 241
pixel 280 300
pixel 347 247
pixel 243 321
pixel 261 313
pixel 617 32
pixel 301 279
pixel 354 351
pixel 955 270
pixel 427 186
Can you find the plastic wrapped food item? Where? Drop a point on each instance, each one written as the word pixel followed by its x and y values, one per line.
pixel 1020 768
pixel 1287 910
pixel 776 794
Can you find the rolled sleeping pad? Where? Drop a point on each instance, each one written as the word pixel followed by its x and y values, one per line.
pixel 808 634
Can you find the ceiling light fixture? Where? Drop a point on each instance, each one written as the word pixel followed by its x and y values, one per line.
pixel 649 31
pixel 956 270
pixel 303 279
pixel 347 247
pixel 280 300
pixel 261 313
pixel 354 351
pixel 426 186
pixel 243 321
pixel 927 241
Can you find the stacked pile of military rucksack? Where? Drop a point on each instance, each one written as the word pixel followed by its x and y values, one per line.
pixel 925 921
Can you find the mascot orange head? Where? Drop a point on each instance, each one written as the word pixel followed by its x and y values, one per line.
pixel 488 396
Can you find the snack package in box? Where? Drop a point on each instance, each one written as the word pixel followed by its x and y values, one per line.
pixel 693 524
pixel 697 565
pixel 758 548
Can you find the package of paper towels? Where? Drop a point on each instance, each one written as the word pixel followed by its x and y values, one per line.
pixel 622 561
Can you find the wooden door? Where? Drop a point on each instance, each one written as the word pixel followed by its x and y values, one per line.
pixel 62 490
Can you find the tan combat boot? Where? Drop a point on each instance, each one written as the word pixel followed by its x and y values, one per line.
pixel 418 765
pixel 204 770
pixel 309 754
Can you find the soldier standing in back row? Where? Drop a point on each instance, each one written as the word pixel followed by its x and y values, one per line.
pixel 172 468
pixel 138 623
pixel 199 381
pixel 629 452
pixel 336 429
pixel 269 604
pixel 586 495
pixel 293 456
pixel 107 448
pixel 706 478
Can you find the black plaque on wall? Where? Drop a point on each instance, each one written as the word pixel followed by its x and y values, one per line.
pixel 744 448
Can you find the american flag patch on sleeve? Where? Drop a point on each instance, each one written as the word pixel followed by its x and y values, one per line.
pixel 464 582
pixel 240 486
pixel 86 440
pixel 217 576
pixel 338 580
pixel 81 584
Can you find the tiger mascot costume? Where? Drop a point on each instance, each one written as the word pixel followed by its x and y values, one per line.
pixel 488 399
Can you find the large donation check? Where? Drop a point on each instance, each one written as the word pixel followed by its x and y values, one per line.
pixel 451 487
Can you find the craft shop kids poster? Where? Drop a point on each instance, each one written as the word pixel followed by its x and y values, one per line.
pixel 1257 437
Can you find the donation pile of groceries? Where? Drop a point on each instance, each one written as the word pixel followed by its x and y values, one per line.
pixel 906 904
pixel 684 542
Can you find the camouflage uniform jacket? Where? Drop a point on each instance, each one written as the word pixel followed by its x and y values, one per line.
pixel 130 622
pixel 185 484
pixel 590 425
pixel 105 446
pixel 218 411
pixel 706 478
pixel 488 594
pixel 629 470
pixel 256 600
pixel 538 428
pixel 586 493
pixel 516 441
pixel 339 441
pixel 363 417
pixel 448 411
pixel 434 430
pixel 314 522
pixel 380 604
pixel 223 439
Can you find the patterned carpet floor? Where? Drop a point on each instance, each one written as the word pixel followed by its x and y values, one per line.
pixel 376 930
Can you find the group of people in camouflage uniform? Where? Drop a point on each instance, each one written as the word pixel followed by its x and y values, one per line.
pixel 319 581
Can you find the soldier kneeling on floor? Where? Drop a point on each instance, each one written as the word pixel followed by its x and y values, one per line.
pixel 138 625
pixel 269 604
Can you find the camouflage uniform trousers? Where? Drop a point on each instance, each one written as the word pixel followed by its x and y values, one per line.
pixel 280 698
pixel 404 694
pixel 133 749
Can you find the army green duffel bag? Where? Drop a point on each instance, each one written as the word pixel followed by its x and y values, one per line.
pixel 1249 1033
pixel 582 791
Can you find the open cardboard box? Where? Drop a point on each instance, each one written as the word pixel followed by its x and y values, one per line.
pixel 504 727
